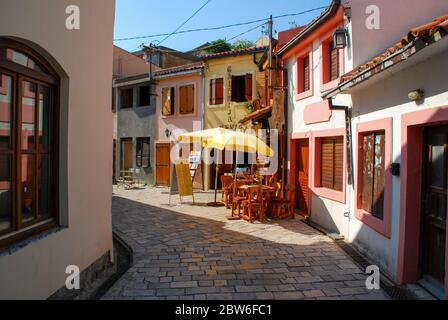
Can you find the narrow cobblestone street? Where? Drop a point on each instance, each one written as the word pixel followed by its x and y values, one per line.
pixel 194 252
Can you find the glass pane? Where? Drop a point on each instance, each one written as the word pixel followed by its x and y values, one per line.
pixel 437 160
pixel 44 130
pixel 5 111
pixel 28 115
pixel 27 188
pixel 5 192
pixel 44 185
pixel 23 59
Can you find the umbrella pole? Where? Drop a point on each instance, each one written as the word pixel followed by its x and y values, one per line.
pixel 216 203
pixel 234 180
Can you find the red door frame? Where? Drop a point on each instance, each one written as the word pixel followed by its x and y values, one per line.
pixel 293 158
pixel 412 125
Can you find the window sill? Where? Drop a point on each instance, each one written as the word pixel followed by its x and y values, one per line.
pixel 15 243
pixel 329 85
pixel 330 194
pixel 168 117
pixel 216 106
pixel 376 224
pixel 304 95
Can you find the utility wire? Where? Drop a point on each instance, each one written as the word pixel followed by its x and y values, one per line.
pixel 221 27
pixel 191 17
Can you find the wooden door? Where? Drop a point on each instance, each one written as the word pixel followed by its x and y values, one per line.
pixel 127 154
pixel 435 191
pixel 303 176
pixel 163 164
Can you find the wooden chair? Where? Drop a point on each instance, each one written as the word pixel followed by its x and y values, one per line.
pixel 284 207
pixel 253 204
pixel 239 197
pixel 227 189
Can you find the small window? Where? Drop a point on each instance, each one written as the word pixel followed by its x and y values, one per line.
pixel 304 74
pixel 330 62
pixel 186 99
pixel 332 163
pixel 24 60
pixel 371 194
pixel 168 101
pixel 217 91
pixel 334 62
pixel 242 88
pixel 144 96
pixel 127 98
pixel 143 152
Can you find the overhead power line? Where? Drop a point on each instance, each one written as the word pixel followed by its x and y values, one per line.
pixel 221 27
pixel 186 21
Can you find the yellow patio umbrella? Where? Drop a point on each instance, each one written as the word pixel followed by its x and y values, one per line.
pixel 240 142
pixel 201 135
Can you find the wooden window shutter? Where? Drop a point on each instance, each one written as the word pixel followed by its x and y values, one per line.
pixel 172 97
pixel 186 99
pixel 219 93
pixel 248 87
pixel 212 91
pixel 332 175
pixel 334 63
pixel 306 74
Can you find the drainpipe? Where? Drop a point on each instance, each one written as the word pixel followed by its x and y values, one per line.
pixel 286 127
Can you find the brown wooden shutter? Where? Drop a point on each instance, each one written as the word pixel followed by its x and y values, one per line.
pixel 248 87
pixel 334 63
pixel 332 163
pixel 212 91
pixel 186 99
pixel 219 93
pixel 306 74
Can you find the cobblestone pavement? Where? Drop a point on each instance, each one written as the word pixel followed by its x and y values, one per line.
pixel 194 252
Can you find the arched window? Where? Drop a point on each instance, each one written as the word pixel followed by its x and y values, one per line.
pixel 28 143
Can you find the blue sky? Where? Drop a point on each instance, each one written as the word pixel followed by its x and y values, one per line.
pixel 148 17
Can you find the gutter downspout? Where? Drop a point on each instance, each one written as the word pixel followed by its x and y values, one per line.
pixel 286 129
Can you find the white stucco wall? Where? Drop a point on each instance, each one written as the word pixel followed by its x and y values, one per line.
pixel 388 97
pixel 84 59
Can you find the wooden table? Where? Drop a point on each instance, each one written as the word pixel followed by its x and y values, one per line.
pixel 265 191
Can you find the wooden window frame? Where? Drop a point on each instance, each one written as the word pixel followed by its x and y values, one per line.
pixel 122 92
pixel 248 84
pixel 193 111
pixel 173 101
pixel 380 226
pixel 214 101
pixel 19 230
pixel 139 149
pixel 339 196
pixel 301 93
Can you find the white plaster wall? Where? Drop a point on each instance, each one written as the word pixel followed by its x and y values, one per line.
pixel 85 63
pixel 388 98
pixel 396 18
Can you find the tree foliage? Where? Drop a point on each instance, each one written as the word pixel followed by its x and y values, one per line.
pixel 242 44
pixel 218 46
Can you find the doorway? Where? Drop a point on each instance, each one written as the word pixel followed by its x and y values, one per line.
pixel 434 208
pixel 163 164
pixel 127 154
pixel 302 177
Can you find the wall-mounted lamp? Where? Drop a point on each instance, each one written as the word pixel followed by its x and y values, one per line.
pixel 167 133
pixel 340 38
pixel 416 95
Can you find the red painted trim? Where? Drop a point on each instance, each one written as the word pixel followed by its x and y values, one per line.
pixel 339 196
pixel 412 125
pixel 300 95
pixel 293 140
pixel 381 226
